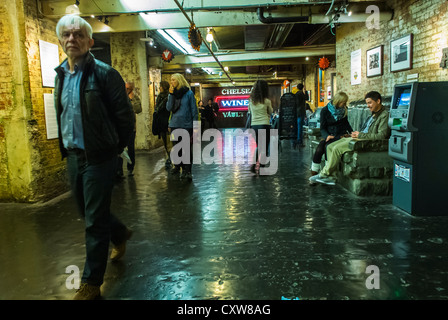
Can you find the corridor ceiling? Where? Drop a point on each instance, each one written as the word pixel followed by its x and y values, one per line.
pixel 268 39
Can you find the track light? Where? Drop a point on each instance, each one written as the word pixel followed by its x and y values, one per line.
pixel 73 9
pixel 209 36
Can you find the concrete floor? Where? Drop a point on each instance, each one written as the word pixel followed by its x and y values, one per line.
pixel 231 235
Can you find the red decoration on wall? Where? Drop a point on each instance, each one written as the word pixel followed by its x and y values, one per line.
pixel 167 55
pixel 324 63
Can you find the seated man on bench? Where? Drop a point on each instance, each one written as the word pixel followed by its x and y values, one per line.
pixel 375 128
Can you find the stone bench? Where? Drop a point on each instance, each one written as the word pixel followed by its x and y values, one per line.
pixel 366 170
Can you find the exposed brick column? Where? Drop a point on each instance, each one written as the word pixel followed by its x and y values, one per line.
pixel 128 55
pixel 30 165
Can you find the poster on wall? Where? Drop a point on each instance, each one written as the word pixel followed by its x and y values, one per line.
pixel 49 60
pixel 356 67
pixel 50 117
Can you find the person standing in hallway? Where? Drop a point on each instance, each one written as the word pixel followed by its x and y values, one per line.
pixel 182 103
pixel 374 128
pixel 211 110
pixel 137 107
pixel 161 119
pixel 260 108
pixel 302 97
pixel 201 110
pixel 95 121
pixel 334 125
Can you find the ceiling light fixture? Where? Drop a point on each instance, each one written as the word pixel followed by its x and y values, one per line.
pixel 209 36
pixel 73 9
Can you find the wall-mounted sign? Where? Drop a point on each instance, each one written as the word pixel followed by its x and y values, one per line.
pixel 233 103
pixel 49 60
pixel 50 117
pixel 356 67
pixel 167 55
pixel 230 114
pixel 227 91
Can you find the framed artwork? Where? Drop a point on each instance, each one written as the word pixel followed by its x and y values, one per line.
pixel 401 53
pixel 375 62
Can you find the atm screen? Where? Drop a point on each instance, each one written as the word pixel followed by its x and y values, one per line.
pixel 404 100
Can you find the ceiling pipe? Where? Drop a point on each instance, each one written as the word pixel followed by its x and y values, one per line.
pixel 271 20
pixel 204 41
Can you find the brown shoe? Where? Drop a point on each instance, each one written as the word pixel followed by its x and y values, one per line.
pixel 87 292
pixel 119 250
pixel 313 173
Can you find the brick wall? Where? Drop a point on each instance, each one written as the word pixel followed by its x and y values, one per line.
pixel 428 22
pixel 30 165
pixel 48 170
pixel 5 97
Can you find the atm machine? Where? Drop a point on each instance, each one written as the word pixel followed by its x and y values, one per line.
pixel 419 146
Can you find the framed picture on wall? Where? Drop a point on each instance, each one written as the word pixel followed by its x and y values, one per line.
pixel 401 53
pixel 374 62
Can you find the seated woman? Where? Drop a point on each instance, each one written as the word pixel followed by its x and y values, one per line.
pixel 333 126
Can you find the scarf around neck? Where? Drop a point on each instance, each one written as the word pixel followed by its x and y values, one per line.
pixel 337 113
pixel 179 93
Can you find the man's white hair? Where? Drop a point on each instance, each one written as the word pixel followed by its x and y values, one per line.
pixel 76 22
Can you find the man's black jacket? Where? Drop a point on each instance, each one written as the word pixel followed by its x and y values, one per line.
pixel 107 115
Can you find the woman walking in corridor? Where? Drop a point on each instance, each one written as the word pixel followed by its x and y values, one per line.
pixel 260 108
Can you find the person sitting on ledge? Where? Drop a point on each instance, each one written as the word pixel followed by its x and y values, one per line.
pixel 374 128
pixel 334 125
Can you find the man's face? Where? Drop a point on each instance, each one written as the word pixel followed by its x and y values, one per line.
pixel 75 42
pixel 373 105
pixel 129 88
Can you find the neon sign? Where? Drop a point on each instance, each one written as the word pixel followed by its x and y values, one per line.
pixel 236 91
pixel 232 103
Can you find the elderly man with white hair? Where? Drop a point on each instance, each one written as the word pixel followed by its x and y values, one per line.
pixel 95 121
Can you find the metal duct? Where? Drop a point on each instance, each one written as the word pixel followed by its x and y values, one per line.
pixel 270 20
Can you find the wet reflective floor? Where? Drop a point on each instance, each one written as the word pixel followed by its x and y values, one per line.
pixel 231 235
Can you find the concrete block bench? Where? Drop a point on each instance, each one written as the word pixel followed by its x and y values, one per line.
pixel 367 169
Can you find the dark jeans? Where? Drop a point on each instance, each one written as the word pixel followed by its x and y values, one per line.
pixel 262 146
pixel 92 188
pixel 300 121
pixel 321 150
pixel 186 167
